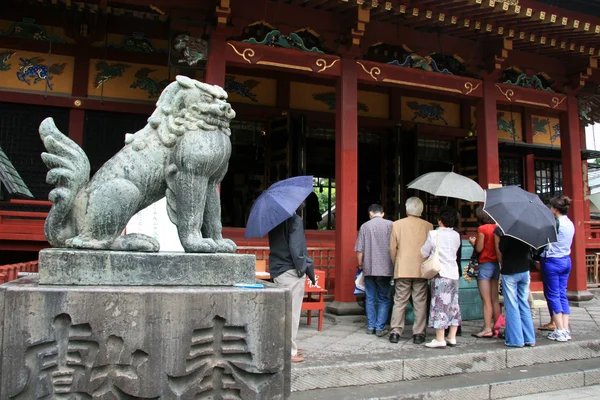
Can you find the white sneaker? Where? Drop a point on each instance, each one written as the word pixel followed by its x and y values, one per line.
pixel 568 334
pixel 435 344
pixel 558 335
pixel 451 342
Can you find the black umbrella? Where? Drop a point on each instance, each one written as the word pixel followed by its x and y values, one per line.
pixel 522 215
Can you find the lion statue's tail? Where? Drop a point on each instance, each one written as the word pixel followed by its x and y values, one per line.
pixel 69 172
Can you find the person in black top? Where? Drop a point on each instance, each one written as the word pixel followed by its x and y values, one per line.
pixel 513 256
pixel 289 264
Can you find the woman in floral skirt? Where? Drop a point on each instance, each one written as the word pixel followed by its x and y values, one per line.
pixel 445 310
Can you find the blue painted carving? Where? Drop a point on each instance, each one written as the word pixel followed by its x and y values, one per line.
pixel 33 68
pixel 151 85
pixel 507 126
pixel 416 61
pixel 106 72
pixel 137 43
pixel 5 57
pixel 243 89
pixel 540 125
pixel 329 99
pixel 516 77
pixel 28 29
pixel 291 41
pixel 555 132
pixel 431 112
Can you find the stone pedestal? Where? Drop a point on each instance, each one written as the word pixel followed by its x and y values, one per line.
pixel 144 342
pixel 125 268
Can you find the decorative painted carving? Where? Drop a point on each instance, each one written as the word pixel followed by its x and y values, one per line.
pixel 262 32
pixel 28 29
pixel 182 152
pixel 137 43
pixel 329 99
pixel 219 364
pixel 33 68
pixel 430 112
pixel 507 126
pixel 403 56
pixel 418 62
pixel 514 76
pixel 243 89
pixel 5 57
pixel 191 49
pixel 540 126
pixel 106 72
pixel 290 41
pixel 145 82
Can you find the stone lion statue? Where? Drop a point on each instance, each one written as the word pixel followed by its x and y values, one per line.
pixel 182 153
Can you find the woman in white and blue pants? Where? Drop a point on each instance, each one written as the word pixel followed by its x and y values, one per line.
pixel 556 267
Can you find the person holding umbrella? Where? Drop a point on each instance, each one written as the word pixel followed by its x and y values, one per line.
pixel 556 267
pixel 513 255
pixel 524 222
pixel 276 212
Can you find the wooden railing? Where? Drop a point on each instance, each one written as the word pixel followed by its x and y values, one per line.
pixel 323 257
pixel 23 225
pixel 11 272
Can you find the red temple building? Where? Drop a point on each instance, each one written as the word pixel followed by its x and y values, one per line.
pixel 364 95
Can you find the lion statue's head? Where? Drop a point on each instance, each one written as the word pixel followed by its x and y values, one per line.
pixel 187 105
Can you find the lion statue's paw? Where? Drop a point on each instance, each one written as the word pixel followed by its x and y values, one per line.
pixel 136 242
pixel 226 246
pixel 198 244
pixel 84 242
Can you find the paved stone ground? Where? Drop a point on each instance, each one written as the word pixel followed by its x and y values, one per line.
pixel 343 336
pixel 584 393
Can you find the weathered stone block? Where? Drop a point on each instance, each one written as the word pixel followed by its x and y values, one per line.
pixel 144 342
pixel 453 363
pixel 547 351
pixel 541 384
pixel 125 268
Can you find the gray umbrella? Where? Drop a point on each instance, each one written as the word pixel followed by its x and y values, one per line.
pixel 449 184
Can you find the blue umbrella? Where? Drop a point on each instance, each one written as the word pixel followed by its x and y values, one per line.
pixel 276 204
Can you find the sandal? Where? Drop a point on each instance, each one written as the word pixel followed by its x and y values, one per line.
pixel 484 335
pixel 550 326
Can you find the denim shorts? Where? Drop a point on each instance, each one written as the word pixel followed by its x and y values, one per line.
pixel 489 271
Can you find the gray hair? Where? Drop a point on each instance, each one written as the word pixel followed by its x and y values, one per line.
pixel 414 206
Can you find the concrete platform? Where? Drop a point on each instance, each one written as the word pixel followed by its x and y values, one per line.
pixel 344 355
pixel 474 386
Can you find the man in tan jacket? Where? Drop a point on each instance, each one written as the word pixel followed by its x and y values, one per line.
pixel 408 236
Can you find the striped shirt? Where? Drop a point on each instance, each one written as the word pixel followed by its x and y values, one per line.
pixel 374 243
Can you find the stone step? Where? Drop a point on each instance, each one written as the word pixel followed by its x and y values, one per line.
pixel 509 382
pixel 423 363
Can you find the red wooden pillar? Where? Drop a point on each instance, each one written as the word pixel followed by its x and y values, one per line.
pixel 215 66
pixel 529 163
pixel 487 136
pixel 76 125
pixel 573 187
pixel 81 74
pixel 346 184
pixel 216 63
